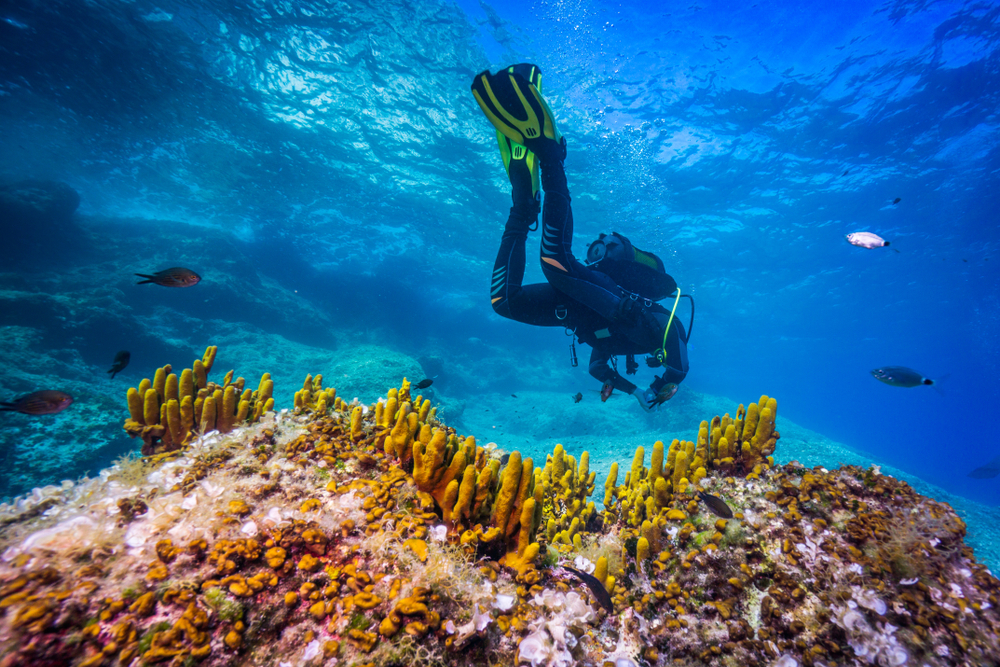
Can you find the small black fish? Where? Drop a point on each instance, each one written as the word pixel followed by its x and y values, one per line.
pixel 846 172
pixel 716 505
pixel 897 200
pixel 988 471
pixel 900 376
pixel 423 384
pixel 175 277
pixel 513 395
pixel 120 362
pixel 578 397
pixel 595 586
pixel 45 402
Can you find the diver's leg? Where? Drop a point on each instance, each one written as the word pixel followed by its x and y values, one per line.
pixel 592 288
pixel 531 304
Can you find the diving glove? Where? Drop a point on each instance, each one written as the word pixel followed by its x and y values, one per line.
pixel 646 398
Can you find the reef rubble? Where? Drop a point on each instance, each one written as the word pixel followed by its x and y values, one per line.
pixel 340 533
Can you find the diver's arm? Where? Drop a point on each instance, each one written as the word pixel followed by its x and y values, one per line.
pixel 600 369
pixel 657 384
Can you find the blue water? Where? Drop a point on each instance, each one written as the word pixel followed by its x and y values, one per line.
pixel 337 145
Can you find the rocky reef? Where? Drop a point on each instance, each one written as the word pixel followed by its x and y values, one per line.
pixel 374 534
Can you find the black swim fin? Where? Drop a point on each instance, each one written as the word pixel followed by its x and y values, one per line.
pixel 517 110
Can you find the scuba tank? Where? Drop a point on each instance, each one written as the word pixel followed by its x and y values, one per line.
pixel 634 270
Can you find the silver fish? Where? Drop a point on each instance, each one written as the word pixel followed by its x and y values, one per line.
pixel 866 240
pixel 900 376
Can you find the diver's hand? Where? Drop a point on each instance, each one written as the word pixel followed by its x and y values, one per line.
pixel 646 399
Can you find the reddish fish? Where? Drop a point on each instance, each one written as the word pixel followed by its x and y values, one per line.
pixel 46 402
pixel 175 277
pixel 665 394
pixel 606 391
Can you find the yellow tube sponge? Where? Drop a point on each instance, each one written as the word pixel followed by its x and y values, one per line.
pixel 171 390
pixel 165 411
pixel 428 461
pixel 636 472
pixel 661 492
pixel 525 490
pixel 765 427
pixel 521 554
pixel 227 411
pixel 642 550
pixel 186 384
pixel 400 439
pixel 609 486
pixel 510 481
pixel 703 446
pixel 207 421
pixel 680 468
pixel 563 492
pixel 656 463
pixel 462 510
pixel 151 407
pixel 601 570
pixel 177 433
pixel 750 423
pixel 389 413
pixel 313 397
pixel 208 359
pixel 200 374
pixel 356 414
pixel 187 414
pixel 160 380
pixel 648 531
pixel 135 406
pixel 672 453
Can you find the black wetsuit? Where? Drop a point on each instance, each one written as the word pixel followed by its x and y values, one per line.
pixel 576 296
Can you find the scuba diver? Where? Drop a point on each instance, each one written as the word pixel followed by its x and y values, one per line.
pixel 609 303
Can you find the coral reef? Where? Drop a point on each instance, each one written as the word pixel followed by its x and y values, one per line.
pixel 168 410
pixel 374 534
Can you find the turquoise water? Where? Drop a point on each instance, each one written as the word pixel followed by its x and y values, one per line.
pixel 325 169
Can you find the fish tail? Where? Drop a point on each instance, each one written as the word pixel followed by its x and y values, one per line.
pixel 113 373
pixel 7 407
pixel 886 244
pixel 149 279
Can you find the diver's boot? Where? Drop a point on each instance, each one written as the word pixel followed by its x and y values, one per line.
pixel 521 164
pixel 512 103
pixel 522 169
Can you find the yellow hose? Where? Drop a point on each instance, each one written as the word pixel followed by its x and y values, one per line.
pixel 662 356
